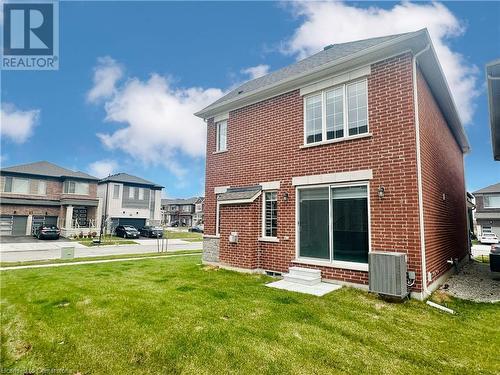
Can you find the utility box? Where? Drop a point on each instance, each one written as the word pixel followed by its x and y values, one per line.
pixel 67 252
pixel 387 273
pixel 233 237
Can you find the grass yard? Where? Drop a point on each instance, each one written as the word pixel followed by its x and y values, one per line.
pixel 186 236
pixel 172 315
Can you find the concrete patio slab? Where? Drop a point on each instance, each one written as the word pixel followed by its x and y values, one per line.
pixel 319 289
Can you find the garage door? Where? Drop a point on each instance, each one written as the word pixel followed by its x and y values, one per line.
pixel 40 220
pixel 6 225
pixel 138 223
pixel 19 225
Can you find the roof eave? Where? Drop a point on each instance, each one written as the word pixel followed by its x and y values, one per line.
pixel 412 42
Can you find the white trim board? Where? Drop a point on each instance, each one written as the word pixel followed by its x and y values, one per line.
pixel 336 80
pixel 221 117
pixel 329 178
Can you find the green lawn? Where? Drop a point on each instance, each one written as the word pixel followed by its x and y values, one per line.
pixel 104 257
pixel 187 236
pixel 172 316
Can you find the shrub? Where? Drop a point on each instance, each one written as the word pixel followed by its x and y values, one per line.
pixel 80 235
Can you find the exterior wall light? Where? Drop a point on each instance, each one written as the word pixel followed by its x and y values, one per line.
pixel 381 192
pixel 285 196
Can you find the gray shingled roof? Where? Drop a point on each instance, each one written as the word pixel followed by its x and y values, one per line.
pixel 44 168
pixel 329 54
pixel 179 201
pixel 234 194
pixel 495 188
pixel 128 178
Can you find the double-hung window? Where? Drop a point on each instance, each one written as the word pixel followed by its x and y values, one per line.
pixel 73 187
pixel 335 113
pixel 116 191
pixel 221 136
pixel 270 214
pixel 491 201
pixel 333 223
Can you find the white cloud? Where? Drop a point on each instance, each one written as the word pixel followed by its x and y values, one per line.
pixel 106 75
pixel 102 168
pixel 160 127
pixel 16 124
pixel 256 71
pixel 336 22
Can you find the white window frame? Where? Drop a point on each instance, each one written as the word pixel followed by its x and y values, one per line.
pixel 40 190
pixel 75 183
pixel 218 145
pixel 331 262
pixel 141 194
pixel 263 226
pixel 131 192
pixel 487 196
pixel 115 190
pixel 345 114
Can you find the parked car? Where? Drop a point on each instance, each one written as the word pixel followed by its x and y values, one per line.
pixel 488 238
pixel 126 231
pixel 47 232
pixel 197 228
pixel 174 223
pixel 495 258
pixel 151 231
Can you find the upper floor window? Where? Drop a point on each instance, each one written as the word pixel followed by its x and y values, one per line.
pixel 116 191
pixel 74 187
pixel 221 135
pixel 141 194
pixel 270 219
pixel 24 186
pixel 336 113
pixel 131 192
pixel 491 201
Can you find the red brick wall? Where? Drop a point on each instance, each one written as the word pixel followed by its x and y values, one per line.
pixel 442 173
pixel 7 209
pixel 264 142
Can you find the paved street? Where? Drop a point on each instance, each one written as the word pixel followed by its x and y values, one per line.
pixel 42 250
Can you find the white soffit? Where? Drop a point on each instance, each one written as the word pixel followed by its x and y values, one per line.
pixel 336 80
pixel 338 177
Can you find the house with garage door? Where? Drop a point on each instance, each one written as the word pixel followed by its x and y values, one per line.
pixel 349 162
pixel 129 200
pixel 45 193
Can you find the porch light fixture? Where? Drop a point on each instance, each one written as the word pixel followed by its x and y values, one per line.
pixel 285 196
pixel 381 192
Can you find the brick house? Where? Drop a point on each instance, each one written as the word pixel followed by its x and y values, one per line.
pixel 488 210
pixel 183 212
pixel 357 148
pixel 45 193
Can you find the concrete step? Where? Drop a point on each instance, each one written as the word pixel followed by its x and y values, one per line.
pixel 302 279
pixel 301 271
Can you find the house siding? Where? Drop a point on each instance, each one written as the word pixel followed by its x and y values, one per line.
pixel 264 142
pixel 445 220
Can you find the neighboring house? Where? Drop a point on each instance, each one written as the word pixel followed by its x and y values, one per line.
pixel 44 193
pixel 357 148
pixel 493 78
pixel 488 210
pixel 185 212
pixel 129 200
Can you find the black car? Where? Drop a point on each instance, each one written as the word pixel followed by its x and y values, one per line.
pixel 126 231
pixel 151 231
pixel 47 232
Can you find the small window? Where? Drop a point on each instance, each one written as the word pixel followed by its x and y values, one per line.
pixel 116 191
pixel 69 187
pixel 357 108
pixel 141 194
pixel 78 188
pixel 131 192
pixel 270 214
pixel 20 185
pixel 221 141
pixel 42 187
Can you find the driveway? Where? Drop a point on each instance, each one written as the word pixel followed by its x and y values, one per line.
pixel 480 249
pixel 44 250
pixel 26 239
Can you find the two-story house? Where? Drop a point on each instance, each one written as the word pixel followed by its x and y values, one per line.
pixel 355 149
pixel 488 210
pixel 129 200
pixel 44 193
pixel 182 212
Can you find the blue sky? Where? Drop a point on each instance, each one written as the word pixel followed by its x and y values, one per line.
pixel 158 62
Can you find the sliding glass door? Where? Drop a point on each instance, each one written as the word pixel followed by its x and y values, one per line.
pixel 333 223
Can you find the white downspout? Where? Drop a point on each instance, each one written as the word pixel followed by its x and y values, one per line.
pixel 419 173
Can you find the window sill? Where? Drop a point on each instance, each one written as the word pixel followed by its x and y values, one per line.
pixel 338 140
pixel 334 264
pixel 211 236
pixel 219 152
pixel 269 239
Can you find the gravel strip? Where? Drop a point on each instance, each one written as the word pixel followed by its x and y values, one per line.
pixel 474 282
